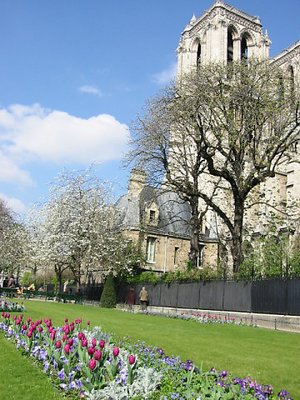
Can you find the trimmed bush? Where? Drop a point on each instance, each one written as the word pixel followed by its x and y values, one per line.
pixel 109 295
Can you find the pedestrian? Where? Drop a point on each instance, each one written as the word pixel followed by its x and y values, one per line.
pixel 143 298
pixel 131 298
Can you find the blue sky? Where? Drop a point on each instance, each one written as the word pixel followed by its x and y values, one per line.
pixel 75 73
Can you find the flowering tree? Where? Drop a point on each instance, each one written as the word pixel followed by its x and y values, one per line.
pixel 12 241
pixel 79 228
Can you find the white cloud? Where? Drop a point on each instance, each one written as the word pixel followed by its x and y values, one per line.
pixel 14 204
pixel 33 133
pixel 90 90
pixel 164 77
pixel 11 172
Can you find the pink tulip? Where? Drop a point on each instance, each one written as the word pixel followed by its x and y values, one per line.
pixel 98 355
pixel 91 351
pixel 29 334
pixel 70 342
pixel 92 364
pixel 84 343
pixel 52 335
pixel 58 344
pixel 131 359
pixel 94 342
pixel 67 349
pixel 102 343
pixel 116 351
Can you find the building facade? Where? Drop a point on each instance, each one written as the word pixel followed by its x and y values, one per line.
pixel 158 220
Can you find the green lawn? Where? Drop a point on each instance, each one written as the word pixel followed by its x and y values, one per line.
pixel 271 357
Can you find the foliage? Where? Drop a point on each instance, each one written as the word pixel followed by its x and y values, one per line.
pixel 13 241
pixel 109 295
pixel 274 256
pixel 188 275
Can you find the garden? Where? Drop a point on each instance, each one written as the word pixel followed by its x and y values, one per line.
pixel 75 351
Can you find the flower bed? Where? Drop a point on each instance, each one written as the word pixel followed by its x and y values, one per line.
pixel 201 317
pixel 88 363
pixel 10 306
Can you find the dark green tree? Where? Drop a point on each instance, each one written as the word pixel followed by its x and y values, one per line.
pixel 109 295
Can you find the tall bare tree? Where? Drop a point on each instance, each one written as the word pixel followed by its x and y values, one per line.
pixel 217 134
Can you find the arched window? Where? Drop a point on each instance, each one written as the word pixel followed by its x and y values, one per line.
pixel 244 48
pixel 198 55
pixel 230 45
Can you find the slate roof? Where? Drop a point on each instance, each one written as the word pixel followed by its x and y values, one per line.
pixel 174 214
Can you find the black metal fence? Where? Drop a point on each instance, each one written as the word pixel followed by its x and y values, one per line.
pixel 268 296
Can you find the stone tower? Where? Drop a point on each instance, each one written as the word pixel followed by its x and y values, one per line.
pixel 222 33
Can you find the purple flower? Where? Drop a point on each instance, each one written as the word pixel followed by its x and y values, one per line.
pixel 61 374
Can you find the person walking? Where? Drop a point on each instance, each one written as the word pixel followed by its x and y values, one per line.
pixel 143 298
pixel 131 298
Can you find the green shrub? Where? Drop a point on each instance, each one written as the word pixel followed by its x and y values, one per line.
pixel 109 295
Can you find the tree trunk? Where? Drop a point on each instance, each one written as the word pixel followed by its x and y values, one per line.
pixel 195 233
pixel 58 273
pixel 237 237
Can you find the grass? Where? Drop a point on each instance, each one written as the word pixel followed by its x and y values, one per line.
pixel 20 380
pixel 271 357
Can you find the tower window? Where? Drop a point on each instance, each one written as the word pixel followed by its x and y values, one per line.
pixel 198 55
pixel 229 46
pixel 244 49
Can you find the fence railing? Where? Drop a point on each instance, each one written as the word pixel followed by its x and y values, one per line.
pixel 267 296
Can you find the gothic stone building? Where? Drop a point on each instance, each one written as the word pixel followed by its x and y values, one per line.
pixel 222 34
